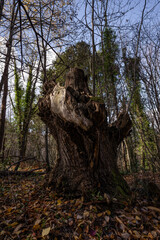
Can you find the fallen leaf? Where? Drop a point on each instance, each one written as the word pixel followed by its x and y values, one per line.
pixel 123 226
pixel 86 214
pixel 136 234
pixel 86 230
pixel 37 222
pixel 16 230
pixel 154 209
pixel 59 202
pixel 70 222
pixel 107 198
pixel 79 217
pixel 2 232
pixel 111 236
pixel 107 218
pixel 36 227
pixel 154 234
pixel 99 214
pixel 108 212
pixel 46 231
pixel 78 203
pixel 82 198
pixel 9 209
pixel 125 235
pixel 13 224
pixel 150 236
pixel 46 213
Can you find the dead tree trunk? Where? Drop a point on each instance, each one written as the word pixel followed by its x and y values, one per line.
pixel 87 145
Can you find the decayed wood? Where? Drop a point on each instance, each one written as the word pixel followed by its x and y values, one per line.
pixel 87 145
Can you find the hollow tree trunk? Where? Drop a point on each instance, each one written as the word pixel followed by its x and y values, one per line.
pixel 87 145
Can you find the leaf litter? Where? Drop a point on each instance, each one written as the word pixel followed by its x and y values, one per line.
pixel 29 211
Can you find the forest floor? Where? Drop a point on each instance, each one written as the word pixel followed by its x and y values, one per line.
pixel 30 211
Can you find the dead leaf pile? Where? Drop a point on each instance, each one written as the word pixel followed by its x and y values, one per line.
pixel 28 211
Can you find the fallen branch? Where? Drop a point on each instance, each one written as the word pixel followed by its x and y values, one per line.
pixel 6 173
pixel 10 156
pixel 23 160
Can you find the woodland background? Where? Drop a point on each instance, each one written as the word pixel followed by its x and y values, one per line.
pixel 116 43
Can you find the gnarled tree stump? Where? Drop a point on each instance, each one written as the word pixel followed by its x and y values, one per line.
pixel 87 145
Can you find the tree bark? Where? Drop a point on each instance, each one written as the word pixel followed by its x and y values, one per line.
pixel 47 150
pixel 4 78
pixel 93 50
pixel 1 8
pixel 87 145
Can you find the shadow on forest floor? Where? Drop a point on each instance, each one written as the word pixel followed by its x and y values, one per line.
pixel 28 211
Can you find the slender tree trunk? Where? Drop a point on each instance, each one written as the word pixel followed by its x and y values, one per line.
pixel 115 97
pixel 87 145
pixel 22 146
pixel 3 110
pixel 46 149
pixel 93 51
pixel 44 66
pixel 3 150
pixel 25 120
pixel 1 8
pixel 4 79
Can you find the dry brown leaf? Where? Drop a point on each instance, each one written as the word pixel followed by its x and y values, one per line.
pixel 150 235
pixel 86 230
pixel 138 218
pixel 108 212
pixel 70 222
pixel 107 198
pixel 86 214
pixel 157 230
pixel 99 214
pixel 107 218
pixel 125 235
pixel 79 217
pixel 136 234
pixel 36 227
pixel 37 222
pixel 2 232
pixel 16 230
pixel 46 231
pixel 123 226
pixel 13 224
pixel 154 208
pixel 154 234
pixel 59 202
